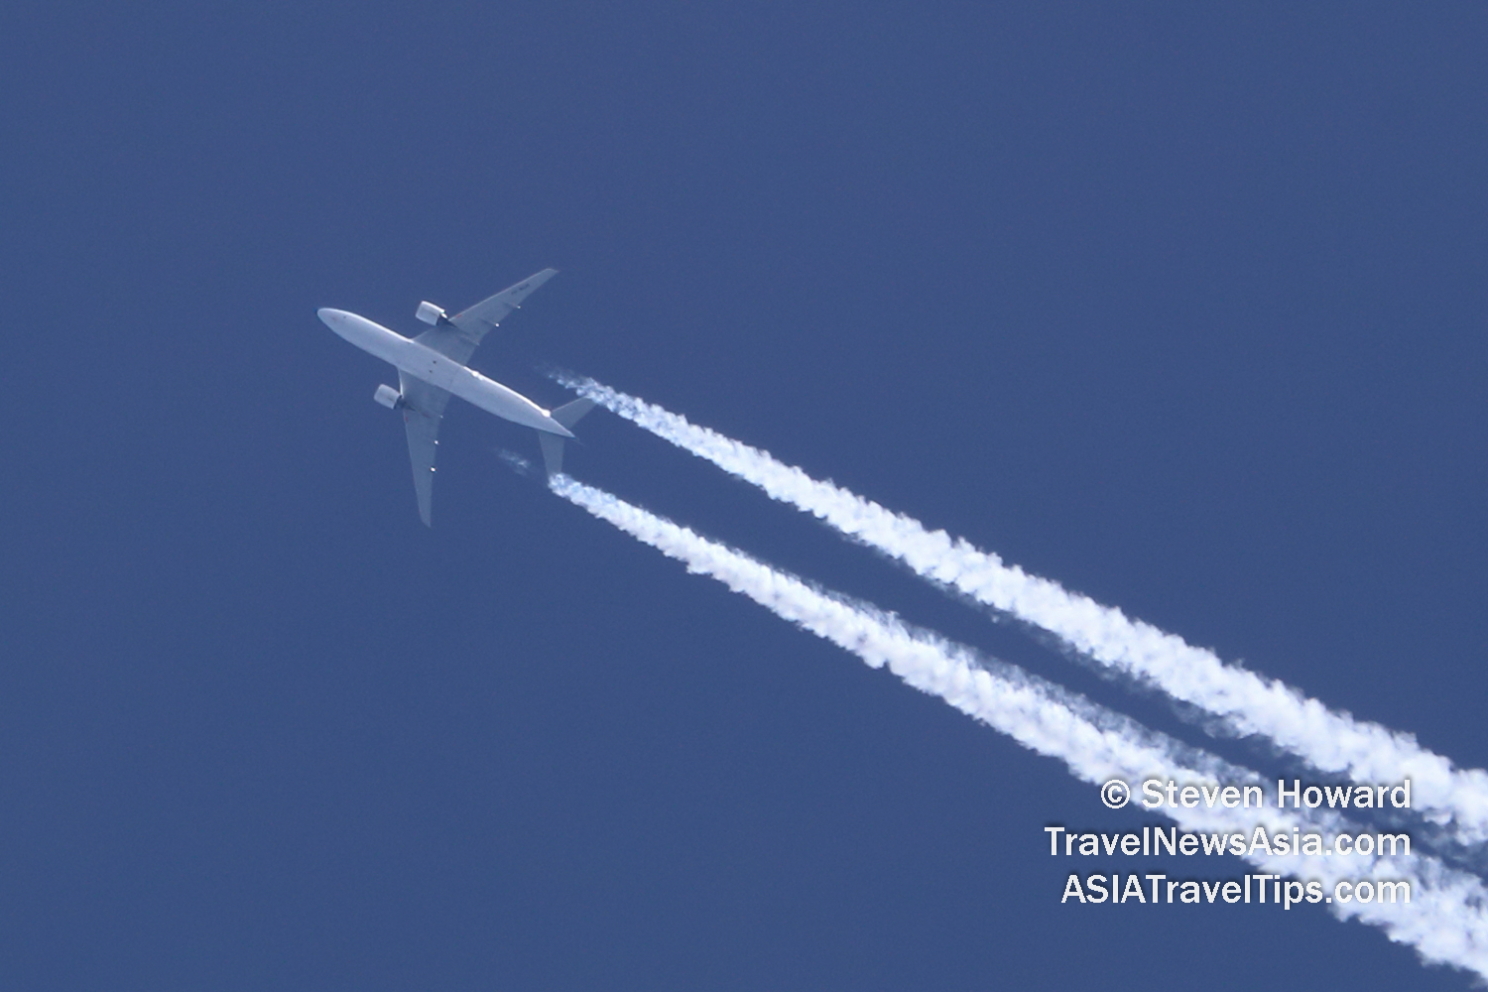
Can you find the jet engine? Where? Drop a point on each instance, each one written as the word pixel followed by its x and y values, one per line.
pixel 429 313
pixel 388 397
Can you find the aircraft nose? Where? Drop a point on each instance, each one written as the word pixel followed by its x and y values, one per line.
pixel 329 316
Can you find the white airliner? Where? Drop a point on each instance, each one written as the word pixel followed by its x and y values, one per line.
pixel 431 369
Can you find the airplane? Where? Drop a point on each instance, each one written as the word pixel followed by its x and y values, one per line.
pixel 431 369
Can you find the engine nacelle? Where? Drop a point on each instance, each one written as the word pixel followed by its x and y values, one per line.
pixel 429 313
pixel 388 397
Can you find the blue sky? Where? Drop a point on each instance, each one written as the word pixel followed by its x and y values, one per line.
pixel 1180 307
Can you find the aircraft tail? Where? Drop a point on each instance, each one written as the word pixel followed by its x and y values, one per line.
pixel 552 445
pixel 571 413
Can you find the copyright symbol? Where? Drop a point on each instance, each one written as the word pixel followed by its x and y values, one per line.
pixel 1115 793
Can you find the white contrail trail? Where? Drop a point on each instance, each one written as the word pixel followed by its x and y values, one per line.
pixel 1246 702
pixel 1445 921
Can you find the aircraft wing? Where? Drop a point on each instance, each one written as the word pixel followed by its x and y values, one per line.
pixel 423 408
pixel 457 336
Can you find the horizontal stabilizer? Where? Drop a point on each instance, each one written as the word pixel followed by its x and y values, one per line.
pixel 571 413
pixel 552 445
pixel 552 452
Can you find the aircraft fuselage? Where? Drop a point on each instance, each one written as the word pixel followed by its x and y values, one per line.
pixel 424 363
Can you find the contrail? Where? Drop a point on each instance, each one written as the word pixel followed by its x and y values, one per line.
pixel 1247 703
pixel 1445 921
